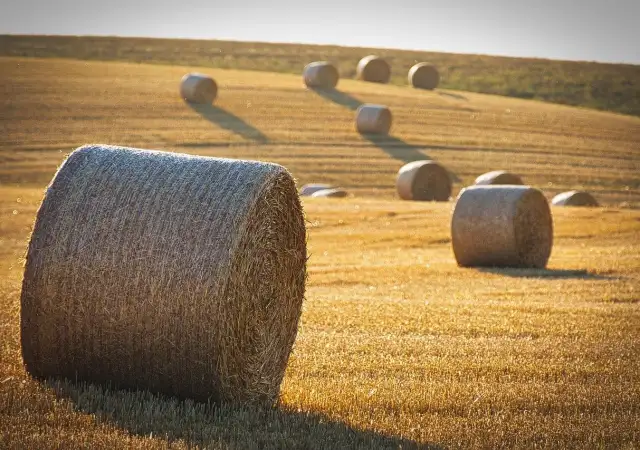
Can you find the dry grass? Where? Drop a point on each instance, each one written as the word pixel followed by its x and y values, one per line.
pixel 398 346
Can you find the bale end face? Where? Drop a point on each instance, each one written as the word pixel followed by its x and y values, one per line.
pixel 198 88
pixel 502 226
pixel 424 76
pixel 373 69
pixel 173 273
pixel 425 181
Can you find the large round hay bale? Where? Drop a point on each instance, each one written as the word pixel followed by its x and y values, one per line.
pixel 423 180
pixel 374 69
pixel 309 189
pixel 424 76
pixel 508 226
pixel 321 74
pixel 498 177
pixel 373 119
pixel 173 273
pixel 330 193
pixel 574 198
pixel 198 88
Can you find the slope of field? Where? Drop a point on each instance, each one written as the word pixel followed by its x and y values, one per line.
pixel 52 106
pixel 613 87
pixel 398 347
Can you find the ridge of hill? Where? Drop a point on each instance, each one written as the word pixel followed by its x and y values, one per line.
pixel 603 86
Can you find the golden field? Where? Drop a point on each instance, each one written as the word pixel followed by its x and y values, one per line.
pixel 398 347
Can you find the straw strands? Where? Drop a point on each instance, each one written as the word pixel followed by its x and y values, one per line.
pixel 373 119
pixel 508 226
pixel 198 88
pixel 178 274
pixel 373 69
pixel 320 74
pixel 423 180
pixel 574 198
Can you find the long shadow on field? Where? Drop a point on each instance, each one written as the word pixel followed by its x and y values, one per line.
pixel 197 424
pixel 391 145
pixel 452 95
pixel 229 121
pixel 581 274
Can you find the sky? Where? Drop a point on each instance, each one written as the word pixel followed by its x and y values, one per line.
pixel 605 30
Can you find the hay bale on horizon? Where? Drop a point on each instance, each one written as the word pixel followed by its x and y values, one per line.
pixel 330 193
pixel 498 177
pixel 574 198
pixel 502 226
pixel 308 189
pixel 373 119
pixel 198 88
pixel 424 76
pixel 423 180
pixel 374 69
pixel 320 74
pixel 172 273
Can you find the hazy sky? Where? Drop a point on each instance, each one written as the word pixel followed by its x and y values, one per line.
pixel 560 29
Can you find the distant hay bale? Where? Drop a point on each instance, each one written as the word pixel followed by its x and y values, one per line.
pixel 198 88
pixel 178 274
pixel 504 226
pixel 574 198
pixel 423 180
pixel 374 69
pixel 331 193
pixel 498 177
pixel 321 74
pixel 373 119
pixel 309 189
pixel 424 76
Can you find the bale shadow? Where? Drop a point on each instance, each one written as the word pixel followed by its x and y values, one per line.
pixel 452 95
pixel 552 274
pixel 392 146
pixel 211 426
pixel 229 121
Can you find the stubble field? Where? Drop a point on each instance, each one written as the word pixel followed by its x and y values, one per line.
pixel 398 347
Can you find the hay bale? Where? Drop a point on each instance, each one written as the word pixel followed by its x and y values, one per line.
pixel 373 119
pixel 321 74
pixel 179 274
pixel 424 76
pixel 331 193
pixel 509 226
pixel 498 177
pixel 374 69
pixel 198 88
pixel 423 180
pixel 574 198
pixel 308 189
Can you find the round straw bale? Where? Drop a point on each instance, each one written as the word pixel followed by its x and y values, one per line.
pixel 374 69
pixel 507 226
pixel 423 180
pixel 498 177
pixel 574 198
pixel 320 74
pixel 424 76
pixel 177 274
pixel 373 119
pixel 331 193
pixel 198 88
pixel 309 189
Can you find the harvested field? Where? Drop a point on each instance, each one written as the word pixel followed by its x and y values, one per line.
pixel 398 346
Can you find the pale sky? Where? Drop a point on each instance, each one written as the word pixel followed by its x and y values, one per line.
pixel 601 30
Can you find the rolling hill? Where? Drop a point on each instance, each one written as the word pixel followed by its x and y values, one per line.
pixel 398 347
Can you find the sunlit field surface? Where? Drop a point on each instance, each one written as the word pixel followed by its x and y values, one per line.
pixel 398 347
